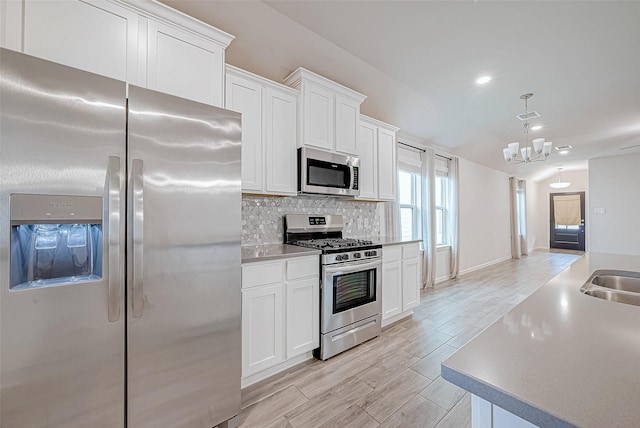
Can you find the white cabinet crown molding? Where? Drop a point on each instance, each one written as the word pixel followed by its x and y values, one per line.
pixel 168 15
pixel 232 69
pixel 378 123
pixel 296 78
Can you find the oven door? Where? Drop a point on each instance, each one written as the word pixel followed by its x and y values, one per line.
pixel 350 292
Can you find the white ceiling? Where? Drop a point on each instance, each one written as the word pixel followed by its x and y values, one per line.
pixel 417 62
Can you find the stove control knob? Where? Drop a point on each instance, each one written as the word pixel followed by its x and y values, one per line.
pixel 341 257
pixel 371 253
pixel 357 255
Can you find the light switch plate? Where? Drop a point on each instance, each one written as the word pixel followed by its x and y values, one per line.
pixel 600 210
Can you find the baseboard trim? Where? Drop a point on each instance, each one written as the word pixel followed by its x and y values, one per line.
pixel 484 265
pixel 257 377
pixel 396 318
pixel 442 279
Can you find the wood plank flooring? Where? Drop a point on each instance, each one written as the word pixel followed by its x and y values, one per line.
pixel 394 380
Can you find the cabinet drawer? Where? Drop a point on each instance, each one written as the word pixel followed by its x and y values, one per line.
pixel 410 250
pixel 261 274
pixel 302 267
pixel 391 254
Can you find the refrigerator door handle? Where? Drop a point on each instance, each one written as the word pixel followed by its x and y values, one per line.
pixel 115 277
pixel 137 232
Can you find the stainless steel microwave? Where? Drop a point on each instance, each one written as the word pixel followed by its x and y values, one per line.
pixel 326 173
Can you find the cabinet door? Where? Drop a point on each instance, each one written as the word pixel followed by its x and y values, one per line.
pixel 410 283
pixel 98 36
pixel 244 96
pixel 347 125
pixel 318 120
pixel 303 316
pixel 262 328
pixel 391 288
pixel 280 142
pixel 185 65
pixel 368 152
pixel 386 164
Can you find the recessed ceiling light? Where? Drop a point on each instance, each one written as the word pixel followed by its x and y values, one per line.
pixel 536 127
pixel 563 152
pixel 564 148
pixel 483 80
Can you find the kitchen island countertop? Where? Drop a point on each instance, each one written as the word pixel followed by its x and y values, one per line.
pixel 560 358
pixel 261 253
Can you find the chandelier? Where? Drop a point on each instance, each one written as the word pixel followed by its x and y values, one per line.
pixel 559 184
pixel 538 151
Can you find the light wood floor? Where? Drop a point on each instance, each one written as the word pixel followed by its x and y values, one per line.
pixel 394 380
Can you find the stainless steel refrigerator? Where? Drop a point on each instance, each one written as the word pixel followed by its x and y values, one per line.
pixel 119 253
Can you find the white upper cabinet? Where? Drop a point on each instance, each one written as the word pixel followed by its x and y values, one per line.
pixel 142 42
pixel 328 113
pixel 245 96
pixel 280 141
pixel 318 116
pixel 347 123
pixel 184 64
pixel 368 153
pixel 387 164
pixel 377 152
pixel 100 37
pixel 268 132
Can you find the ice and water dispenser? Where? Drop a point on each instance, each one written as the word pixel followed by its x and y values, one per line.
pixel 55 240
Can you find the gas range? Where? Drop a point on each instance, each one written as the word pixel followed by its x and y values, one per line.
pixel 350 281
pixel 325 233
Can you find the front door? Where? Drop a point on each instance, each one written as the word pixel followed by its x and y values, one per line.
pixel 566 221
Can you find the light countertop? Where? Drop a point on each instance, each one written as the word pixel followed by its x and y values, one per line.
pixel 560 358
pixel 260 253
pixel 387 240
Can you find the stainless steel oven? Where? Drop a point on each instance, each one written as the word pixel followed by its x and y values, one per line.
pixel 351 304
pixel 350 282
pixel 327 173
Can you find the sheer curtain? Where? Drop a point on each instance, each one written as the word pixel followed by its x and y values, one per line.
pixel 428 218
pixel 518 210
pixel 454 216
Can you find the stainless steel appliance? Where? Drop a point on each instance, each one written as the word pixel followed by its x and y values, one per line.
pixel 327 173
pixel 350 281
pixel 89 339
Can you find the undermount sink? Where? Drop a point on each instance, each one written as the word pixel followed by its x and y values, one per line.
pixel 614 285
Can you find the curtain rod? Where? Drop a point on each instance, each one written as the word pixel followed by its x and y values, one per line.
pixel 422 150
pixel 409 145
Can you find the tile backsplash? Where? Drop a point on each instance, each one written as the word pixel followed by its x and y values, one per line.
pixel 262 217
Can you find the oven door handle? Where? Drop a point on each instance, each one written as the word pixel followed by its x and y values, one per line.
pixel 352 267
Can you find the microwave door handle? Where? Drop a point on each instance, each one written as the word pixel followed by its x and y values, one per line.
pixel 137 223
pixel 113 224
pixel 351 177
pixel 353 267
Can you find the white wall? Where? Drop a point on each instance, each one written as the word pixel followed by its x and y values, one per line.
pixel 538 209
pixel 484 216
pixel 614 185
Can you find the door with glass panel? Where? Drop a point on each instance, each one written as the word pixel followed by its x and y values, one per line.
pixel 566 220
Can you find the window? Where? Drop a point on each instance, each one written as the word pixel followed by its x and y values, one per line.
pixel 442 197
pixel 409 199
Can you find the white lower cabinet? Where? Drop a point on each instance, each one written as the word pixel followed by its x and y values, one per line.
pixel 303 299
pixel 401 279
pixel 391 282
pixel 262 323
pixel 280 315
